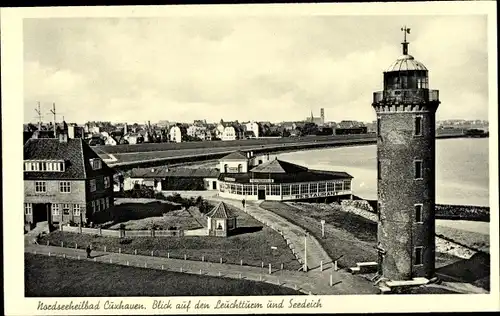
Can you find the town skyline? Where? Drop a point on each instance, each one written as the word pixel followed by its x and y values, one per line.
pixel 143 69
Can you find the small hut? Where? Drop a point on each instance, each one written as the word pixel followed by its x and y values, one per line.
pixel 220 221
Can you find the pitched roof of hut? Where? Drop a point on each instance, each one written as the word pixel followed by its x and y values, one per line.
pixel 220 211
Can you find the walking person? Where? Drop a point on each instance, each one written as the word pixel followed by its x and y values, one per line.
pixel 88 250
pixel 243 203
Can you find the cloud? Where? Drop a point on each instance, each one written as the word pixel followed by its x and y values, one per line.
pixel 262 68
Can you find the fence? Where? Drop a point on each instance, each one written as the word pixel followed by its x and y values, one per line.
pixel 125 233
pixel 208 271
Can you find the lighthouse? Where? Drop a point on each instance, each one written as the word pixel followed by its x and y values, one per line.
pixel 406 169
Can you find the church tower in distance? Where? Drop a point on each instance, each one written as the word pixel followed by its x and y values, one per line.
pixel 406 169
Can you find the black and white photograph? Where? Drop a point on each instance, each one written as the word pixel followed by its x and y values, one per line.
pixel 292 158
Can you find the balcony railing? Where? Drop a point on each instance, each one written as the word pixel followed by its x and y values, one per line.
pixel 406 95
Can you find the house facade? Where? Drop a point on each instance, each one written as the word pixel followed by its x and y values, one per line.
pixel 229 133
pixel 64 181
pixel 253 127
pixel 175 134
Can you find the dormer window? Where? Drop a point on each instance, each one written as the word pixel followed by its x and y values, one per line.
pixel 44 165
pixel 96 163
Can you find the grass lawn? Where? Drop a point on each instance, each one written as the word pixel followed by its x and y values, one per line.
pixel 57 277
pixel 129 210
pixel 177 218
pixel 348 235
pixel 251 243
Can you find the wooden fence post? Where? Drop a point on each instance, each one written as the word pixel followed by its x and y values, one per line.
pixel 241 262
pixel 331 279
pixel 48 243
pixel 76 246
pixel 262 263
pixel 168 255
pixel 282 265
pixel 270 269
pixel 185 257
pixel 162 266
pixel 152 253
pixel 104 248
pixel 221 260
pixel 135 252
pixel 119 250
pixel 62 244
pixel 321 265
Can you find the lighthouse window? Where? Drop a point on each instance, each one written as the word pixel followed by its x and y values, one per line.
pixel 419 251
pixel 418 126
pixel 418 169
pixel 379 170
pixel 418 213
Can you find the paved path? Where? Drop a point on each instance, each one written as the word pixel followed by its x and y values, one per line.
pixel 314 282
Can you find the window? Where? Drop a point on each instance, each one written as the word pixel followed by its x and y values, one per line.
pixel 304 188
pixel 418 213
pixel 103 204
pixel 330 186
pixel 240 168
pixel 65 187
pixel 96 163
pixel 321 187
pixel 107 182
pixel 40 187
pixel 98 205
pixel 65 208
pixel 418 126
pixel 285 189
pixel 225 168
pixel 347 185
pixel 93 206
pixel 92 185
pixel 313 187
pixel 295 189
pixel 379 171
pixel 76 209
pixel 338 186
pixel 28 208
pixel 106 202
pixel 419 251
pixel 55 209
pixel 275 190
pixel 418 169
pixel 378 126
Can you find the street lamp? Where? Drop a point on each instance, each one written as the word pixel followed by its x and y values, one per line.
pixel 322 228
pixel 305 251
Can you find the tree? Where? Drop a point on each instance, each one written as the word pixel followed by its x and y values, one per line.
pixel 310 129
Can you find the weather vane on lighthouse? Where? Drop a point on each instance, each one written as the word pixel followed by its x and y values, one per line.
pixel 405 30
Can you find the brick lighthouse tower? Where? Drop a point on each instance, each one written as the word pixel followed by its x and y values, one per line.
pixel 406 169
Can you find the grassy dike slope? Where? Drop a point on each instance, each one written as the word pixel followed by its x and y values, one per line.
pixel 57 277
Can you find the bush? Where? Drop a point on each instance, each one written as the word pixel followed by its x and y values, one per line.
pixel 125 241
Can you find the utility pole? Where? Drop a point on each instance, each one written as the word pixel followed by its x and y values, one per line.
pixel 39 116
pixel 53 111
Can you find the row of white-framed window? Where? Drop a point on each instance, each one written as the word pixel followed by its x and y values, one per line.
pixel 66 208
pixel 44 166
pixel 286 189
pixel 65 186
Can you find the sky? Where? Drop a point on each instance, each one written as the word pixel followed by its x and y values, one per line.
pixel 264 68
